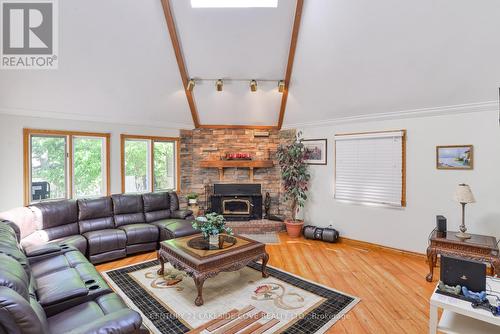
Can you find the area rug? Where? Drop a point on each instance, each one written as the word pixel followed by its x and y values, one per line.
pixel 235 302
pixel 265 238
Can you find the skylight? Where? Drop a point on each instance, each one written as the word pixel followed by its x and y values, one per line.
pixel 234 3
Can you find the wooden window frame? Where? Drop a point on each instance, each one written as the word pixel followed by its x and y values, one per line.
pixel 27 133
pixel 403 158
pixel 152 139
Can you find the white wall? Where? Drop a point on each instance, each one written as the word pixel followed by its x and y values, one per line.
pixel 11 149
pixel 429 191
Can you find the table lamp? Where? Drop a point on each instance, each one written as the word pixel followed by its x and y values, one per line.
pixel 463 195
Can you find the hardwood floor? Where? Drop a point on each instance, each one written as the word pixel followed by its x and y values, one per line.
pixel 392 287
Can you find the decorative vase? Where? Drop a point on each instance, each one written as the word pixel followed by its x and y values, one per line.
pixel 213 240
pixel 294 228
pixel 192 201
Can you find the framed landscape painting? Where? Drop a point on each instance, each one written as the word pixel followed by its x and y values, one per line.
pixel 316 151
pixel 454 157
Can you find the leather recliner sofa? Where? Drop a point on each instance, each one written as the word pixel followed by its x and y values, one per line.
pixel 105 228
pixel 54 289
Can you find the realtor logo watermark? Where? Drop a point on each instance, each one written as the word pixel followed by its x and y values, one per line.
pixel 29 34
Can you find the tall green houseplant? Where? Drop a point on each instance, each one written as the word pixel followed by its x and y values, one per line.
pixel 294 173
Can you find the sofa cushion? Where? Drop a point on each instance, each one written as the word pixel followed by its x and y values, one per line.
pixel 56 219
pixel 57 213
pixel 77 241
pixel 19 315
pixel 69 259
pixel 156 206
pixel 9 246
pixel 105 240
pixel 140 233
pixel 182 214
pixel 128 209
pixel 23 217
pixel 49 266
pixel 174 201
pixel 174 228
pixel 95 214
pixel 13 276
pixel 107 314
pixel 60 286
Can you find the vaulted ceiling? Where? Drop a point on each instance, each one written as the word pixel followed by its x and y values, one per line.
pixel 353 58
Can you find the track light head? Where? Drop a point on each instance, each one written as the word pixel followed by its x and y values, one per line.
pixel 281 86
pixel 253 86
pixel 219 84
pixel 190 85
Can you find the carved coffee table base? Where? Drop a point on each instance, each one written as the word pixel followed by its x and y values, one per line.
pixel 200 277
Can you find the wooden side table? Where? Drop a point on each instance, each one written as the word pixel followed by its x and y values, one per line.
pixel 479 247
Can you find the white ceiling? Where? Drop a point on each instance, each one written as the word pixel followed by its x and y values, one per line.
pixel 236 43
pixel 364 57
pixel 116 63
pixel 354 58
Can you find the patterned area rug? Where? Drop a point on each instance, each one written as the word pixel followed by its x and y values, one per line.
pixel 235 302
pixel 265 238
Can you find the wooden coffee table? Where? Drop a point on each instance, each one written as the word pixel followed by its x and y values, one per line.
pixel 201 264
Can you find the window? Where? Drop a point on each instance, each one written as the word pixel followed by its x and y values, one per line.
pixel 64 164
pixel 149 163
pixel 89 165
pixel 371 168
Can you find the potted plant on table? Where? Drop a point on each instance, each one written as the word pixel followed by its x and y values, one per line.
pixel 192 198
pixel 211 225
pixel 295 177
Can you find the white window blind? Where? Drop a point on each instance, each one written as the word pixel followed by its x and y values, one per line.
pixel 369 168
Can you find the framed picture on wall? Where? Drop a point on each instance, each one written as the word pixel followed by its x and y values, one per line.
pixel 454 157
pixel 316 151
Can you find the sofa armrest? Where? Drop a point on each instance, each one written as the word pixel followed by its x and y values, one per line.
pixel 37 250
pixel 124 321
pixel 181 214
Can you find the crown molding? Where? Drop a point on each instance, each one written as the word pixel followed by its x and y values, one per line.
pixel 412 113
pixel 100 119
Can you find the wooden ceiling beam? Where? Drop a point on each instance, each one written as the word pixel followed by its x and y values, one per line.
pixel 167 11
pixel 291 56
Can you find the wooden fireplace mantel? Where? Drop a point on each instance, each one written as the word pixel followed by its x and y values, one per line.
pixel 250 164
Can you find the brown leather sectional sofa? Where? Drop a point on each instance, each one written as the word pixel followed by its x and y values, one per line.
pixel 54 289
pixel 106 228
pixel 47 284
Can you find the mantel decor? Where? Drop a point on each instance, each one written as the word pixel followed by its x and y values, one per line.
pixel 250 164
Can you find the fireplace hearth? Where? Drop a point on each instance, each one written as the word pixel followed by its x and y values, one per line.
pixel 237 201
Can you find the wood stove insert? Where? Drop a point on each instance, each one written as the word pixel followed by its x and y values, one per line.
pixel 237 201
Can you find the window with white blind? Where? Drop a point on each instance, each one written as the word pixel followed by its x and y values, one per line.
pixel 371 168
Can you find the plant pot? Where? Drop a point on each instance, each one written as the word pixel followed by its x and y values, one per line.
pixel 294 227
pixel 213 240
pixel 192 201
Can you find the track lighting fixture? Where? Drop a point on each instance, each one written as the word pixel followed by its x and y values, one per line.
pixel 253 86
pixel 190 85
pixel 219 84
pixel 281 86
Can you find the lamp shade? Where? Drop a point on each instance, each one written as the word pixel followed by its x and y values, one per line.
pixel 463 194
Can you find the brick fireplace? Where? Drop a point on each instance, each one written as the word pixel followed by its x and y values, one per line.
pixel 212 144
